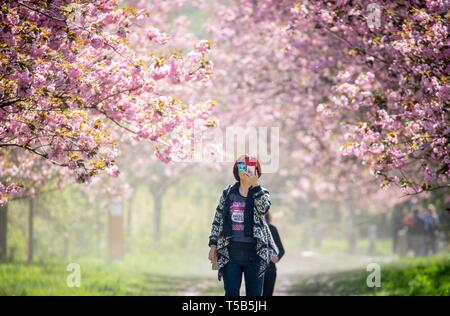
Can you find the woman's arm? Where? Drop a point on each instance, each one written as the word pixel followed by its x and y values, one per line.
pixel 262 199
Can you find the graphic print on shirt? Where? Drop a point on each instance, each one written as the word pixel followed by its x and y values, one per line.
pixel 237 215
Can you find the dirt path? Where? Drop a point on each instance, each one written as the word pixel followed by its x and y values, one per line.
pixel 308 264
pixel 290 270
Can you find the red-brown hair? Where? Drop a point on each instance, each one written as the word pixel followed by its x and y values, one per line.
pixel 235 168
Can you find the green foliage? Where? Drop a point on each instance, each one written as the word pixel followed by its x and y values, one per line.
pixel 96 279
pixel 422 276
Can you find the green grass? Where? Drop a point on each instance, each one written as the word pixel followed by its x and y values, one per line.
pixel 410 276
pixel 155 273
pixel 137 276
pixel 96 279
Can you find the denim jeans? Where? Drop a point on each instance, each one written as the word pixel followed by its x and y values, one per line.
pixel 269 280
pixel 243 261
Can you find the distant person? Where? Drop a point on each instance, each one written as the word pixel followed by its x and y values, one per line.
pixel 241 242
pixel 418 234
pixel 397 225
pixel 409 222
pixel 271 273
pixel 431 221
pixel 444 223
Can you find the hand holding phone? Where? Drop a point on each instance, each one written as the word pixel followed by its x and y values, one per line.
pixel 250 162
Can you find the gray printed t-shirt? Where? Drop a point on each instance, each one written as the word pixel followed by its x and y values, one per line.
pixel 237 208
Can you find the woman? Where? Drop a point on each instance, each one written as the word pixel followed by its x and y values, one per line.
pixel 240 241
pixel 271 273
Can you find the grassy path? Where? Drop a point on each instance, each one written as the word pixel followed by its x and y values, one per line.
pixel 303 275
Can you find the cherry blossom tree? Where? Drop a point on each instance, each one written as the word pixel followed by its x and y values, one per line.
pixel 36 176
pixel 68 75
pixel 390 86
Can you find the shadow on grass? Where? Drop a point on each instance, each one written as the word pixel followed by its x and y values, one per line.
pixel 421 276
pixel 51 279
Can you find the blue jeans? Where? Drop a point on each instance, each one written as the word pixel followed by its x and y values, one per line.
pixel 243 260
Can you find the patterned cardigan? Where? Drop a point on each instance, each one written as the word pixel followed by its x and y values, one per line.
pixel 257 205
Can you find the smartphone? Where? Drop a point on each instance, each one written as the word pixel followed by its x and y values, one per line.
pixel 251 165
pixel 242 167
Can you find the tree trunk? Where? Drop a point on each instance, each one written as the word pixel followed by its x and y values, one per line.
pixel 66 250
pixel 351 229
pixel 129 215
pixel 98 229
pixel 3 231
pixel 383 226
pixel 157 197
pixel 372 238
pixel 352 239
pixel 31 210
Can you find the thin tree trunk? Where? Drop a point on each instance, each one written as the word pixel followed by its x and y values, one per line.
pixel 351 225
pixel 31 209
pixel 66 251
pixel 3 231
pixel 383 226
pixel 157 198
pixel 98 229
pixel 129 215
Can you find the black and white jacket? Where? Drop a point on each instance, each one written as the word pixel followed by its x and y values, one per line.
pixel 256 206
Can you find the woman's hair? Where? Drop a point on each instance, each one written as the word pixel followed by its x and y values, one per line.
pixel 235 168
pixel 268 218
